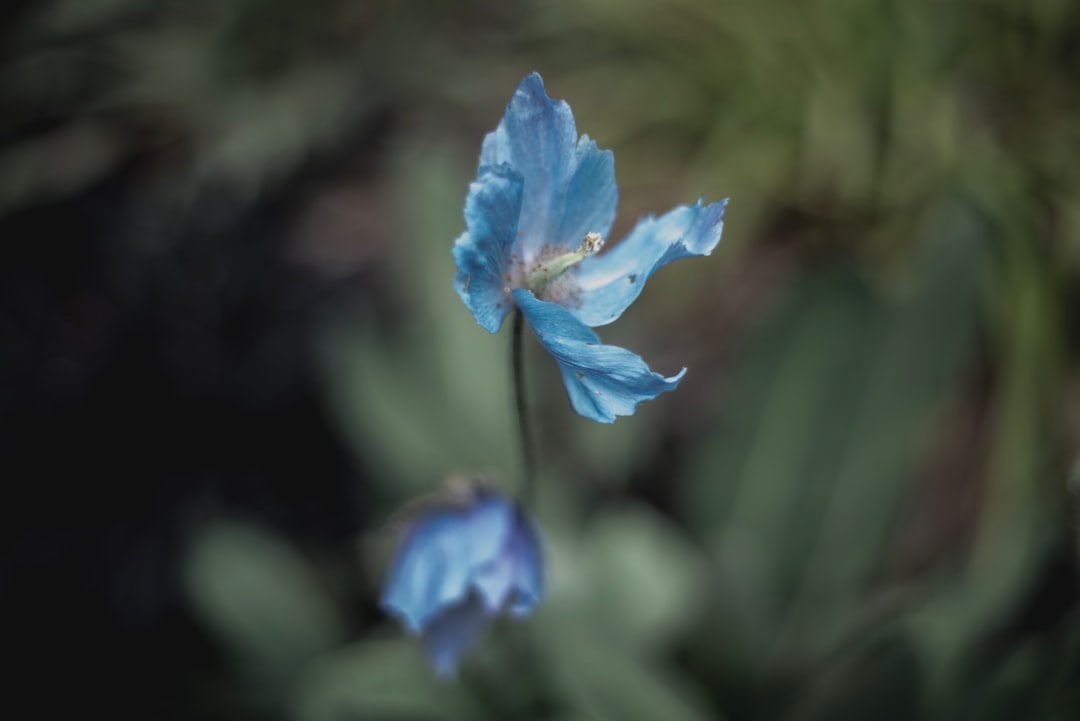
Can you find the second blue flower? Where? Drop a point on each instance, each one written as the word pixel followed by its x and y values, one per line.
pixel 460 563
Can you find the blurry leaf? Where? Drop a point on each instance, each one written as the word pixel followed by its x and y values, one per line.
pixel 608 683
pixel 56 164
pixel 391 413
pixel 433 399
pixel 929 335
pixel 824 428
pixel 731 642
pixel 72 16
pixel 260 597
pixel 380 680
pixel 1030 678
pixel 765 476
pixel 257 134
pixel 1013 529
pixel 839 145
pixel 879 680
pixel 606 454
pixel 631 578
pixel 1017 523
pixel 646 578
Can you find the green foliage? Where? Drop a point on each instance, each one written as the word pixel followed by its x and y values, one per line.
pixel 262 598
pixel 416 415
pixel 863 478
pixel 381 679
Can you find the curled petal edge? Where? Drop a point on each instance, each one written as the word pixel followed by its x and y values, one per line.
pixel 603 381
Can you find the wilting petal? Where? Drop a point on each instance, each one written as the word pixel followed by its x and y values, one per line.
pixel 603 381
pixel 483 251
pixel 609 283
pixel 442 549
pixel 452 632
pixel 569 183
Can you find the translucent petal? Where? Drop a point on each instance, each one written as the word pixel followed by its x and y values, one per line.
pixel 452 632
pixel 517 575
pixel 608 283
pixel 603 381
pixel 424 570
pixel 528 579
pixel 495 582
pixel 483 251
pixel 490 522
pixel 439 555
pixel 569 183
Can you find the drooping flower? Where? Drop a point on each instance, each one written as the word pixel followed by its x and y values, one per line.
pixel 461 562
pixel 536 216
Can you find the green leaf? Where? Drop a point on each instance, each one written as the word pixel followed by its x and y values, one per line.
pixel 804 479
pixel 607 682
pixel 57 164
pixel 379 679
pixel 879 679
pixel 261 597
pixel 1018 524
pixel 644 577
pixel 433 399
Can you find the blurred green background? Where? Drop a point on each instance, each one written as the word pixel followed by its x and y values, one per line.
pixel 230 350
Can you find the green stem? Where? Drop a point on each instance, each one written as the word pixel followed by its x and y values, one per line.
pixel 528 481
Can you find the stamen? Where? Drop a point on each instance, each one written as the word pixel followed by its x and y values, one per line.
pixel 545 273
pixel 592 243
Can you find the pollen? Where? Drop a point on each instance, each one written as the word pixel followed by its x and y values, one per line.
pixel 593 243
pixel 551 276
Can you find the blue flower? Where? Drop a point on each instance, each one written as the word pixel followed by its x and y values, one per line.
pixel 536 216
pixel 459 564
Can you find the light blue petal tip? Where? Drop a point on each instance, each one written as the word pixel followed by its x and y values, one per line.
pixel 410 618
pixel 611 281
pixel 603 381
pixel 534 81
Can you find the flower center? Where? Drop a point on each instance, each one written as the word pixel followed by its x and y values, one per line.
pixel 547 272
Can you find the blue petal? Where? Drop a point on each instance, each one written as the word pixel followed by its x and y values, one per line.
pixel 608 283
pixel 528 566
pixel 603 381
pixel 424 571
pixel 569 183
pixel 483 251
pixel 495 582
pixel 517 575
pixel 441 551
pixel 452 632
pixel 490 522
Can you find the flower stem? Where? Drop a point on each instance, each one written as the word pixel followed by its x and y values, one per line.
pixel 524 424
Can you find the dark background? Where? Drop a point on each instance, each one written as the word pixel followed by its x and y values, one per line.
pixel 230 350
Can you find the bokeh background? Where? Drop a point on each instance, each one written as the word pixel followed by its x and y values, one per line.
pixel 230 350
